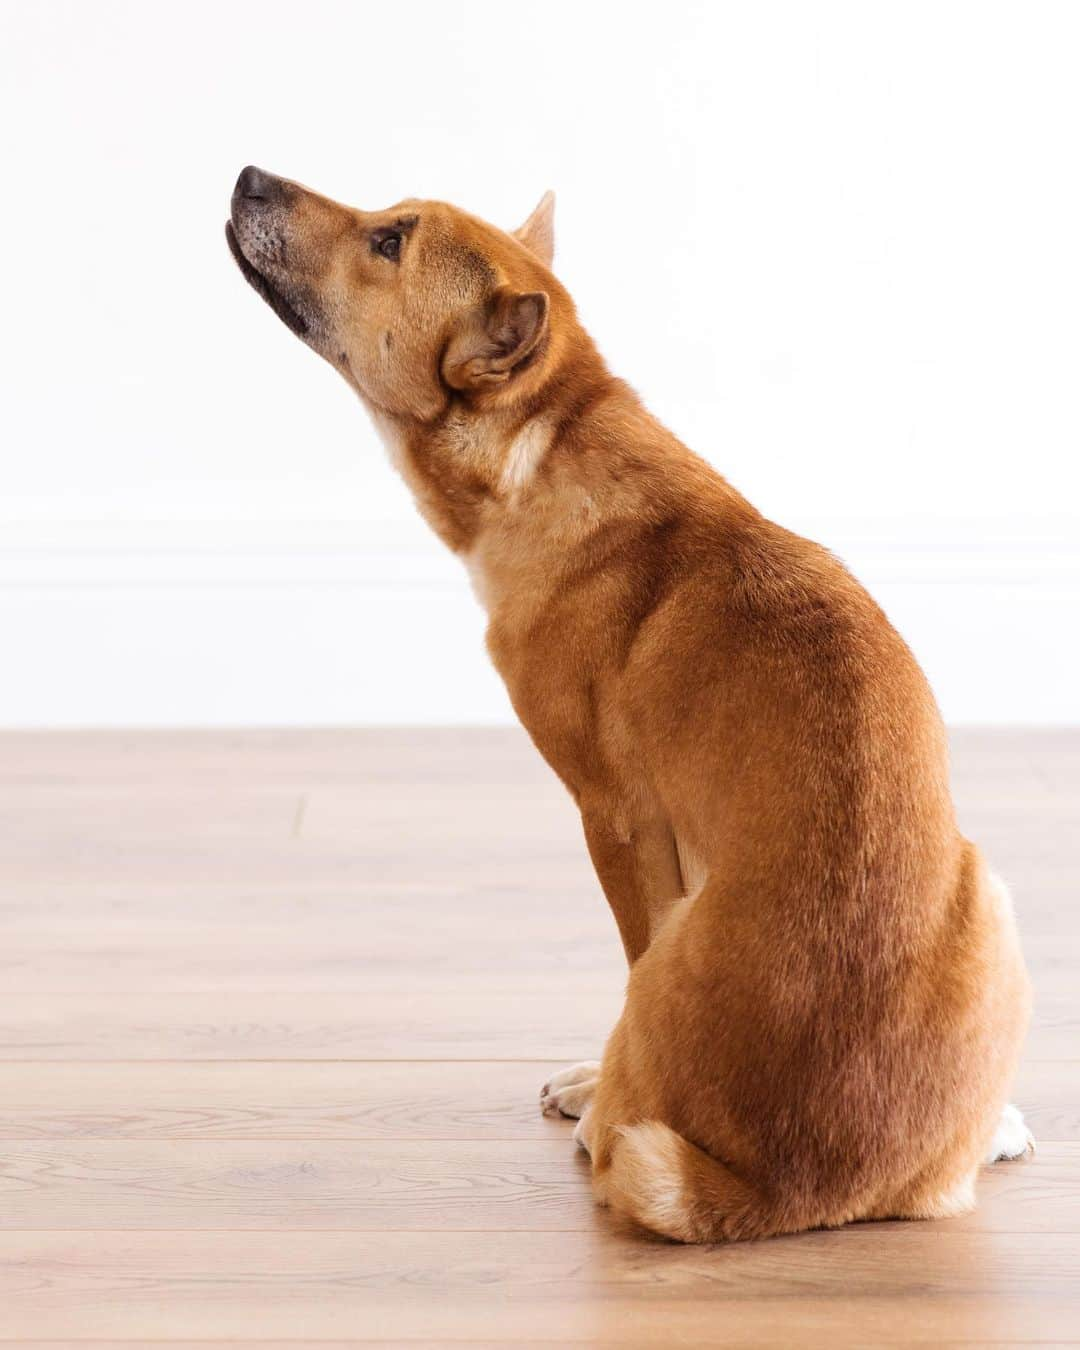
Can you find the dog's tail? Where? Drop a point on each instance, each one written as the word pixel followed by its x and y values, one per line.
pixel 666 1184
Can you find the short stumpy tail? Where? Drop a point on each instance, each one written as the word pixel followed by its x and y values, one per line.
pixel 670 1186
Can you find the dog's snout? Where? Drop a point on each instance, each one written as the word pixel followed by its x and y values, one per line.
pixel 256 185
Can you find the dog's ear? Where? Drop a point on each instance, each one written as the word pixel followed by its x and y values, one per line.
pixel 538 232
pixel 495 338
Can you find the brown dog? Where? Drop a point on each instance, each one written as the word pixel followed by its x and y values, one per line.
pixel 827 997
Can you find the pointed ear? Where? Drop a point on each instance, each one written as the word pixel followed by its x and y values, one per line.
pixel 538 232
pixel 494 340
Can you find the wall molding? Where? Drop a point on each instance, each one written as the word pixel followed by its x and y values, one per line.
pixel 324 623
pixel 396 554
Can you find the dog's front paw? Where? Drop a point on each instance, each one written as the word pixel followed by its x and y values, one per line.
pixel 570 1090
pixel 1012 1138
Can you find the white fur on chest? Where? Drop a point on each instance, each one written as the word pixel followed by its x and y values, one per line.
pixel 478 577
pixel 524 455
pixel 520 461
pixel 515 468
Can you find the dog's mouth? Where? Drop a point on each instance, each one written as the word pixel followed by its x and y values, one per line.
pixel 265 287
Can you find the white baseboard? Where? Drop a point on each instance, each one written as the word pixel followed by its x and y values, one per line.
pixel 329 623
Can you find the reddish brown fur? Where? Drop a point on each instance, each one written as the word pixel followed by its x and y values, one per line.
pixel 828 1022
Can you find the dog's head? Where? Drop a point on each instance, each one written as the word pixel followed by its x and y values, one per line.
pixel 412 304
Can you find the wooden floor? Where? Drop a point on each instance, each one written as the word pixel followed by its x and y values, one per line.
pixel 276 1010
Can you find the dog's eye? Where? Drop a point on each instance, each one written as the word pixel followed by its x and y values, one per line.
pixel 389 245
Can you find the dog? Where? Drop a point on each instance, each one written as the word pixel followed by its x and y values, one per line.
pixel 826 997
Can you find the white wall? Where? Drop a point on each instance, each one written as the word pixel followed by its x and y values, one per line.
pixel 835 245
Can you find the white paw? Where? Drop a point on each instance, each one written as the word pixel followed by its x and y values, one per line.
pixel 570 1090
pixel 1011 1138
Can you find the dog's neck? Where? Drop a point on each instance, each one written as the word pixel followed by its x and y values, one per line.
pixel 479 458
pixel 516 488
pixel 468 469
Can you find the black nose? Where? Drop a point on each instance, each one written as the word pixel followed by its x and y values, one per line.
pixel 255 185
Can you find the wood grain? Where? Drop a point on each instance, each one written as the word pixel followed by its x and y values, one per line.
pixel 277 1007
pixel 419 1185
pixel 297 1100
pixel 596 1287
pixel 544 1018
pixel 429 1100
pixel 428 1021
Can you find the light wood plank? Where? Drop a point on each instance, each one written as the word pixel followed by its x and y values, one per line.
pixel 409 754
pixel 499 893
pixel 285 1184
pixel 389 1185
pixel 403 899
pixel 432 1022
pixel 277 1343
pixel 543 1018
pixel 623 1342
pixel 359 1100
pixel 411 1101
pixel 561 892
pixel 561 969
pixel 413 955
pixel 187 794
pixel 592 1288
